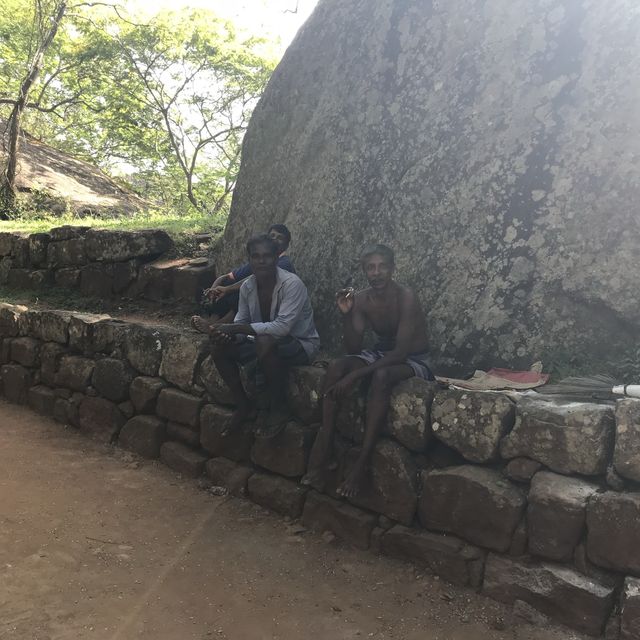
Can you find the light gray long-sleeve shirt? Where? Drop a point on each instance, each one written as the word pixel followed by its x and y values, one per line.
pixel 290 309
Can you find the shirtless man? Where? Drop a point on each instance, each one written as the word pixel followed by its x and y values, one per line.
pixel 393 312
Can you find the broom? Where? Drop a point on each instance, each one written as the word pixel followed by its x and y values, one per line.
pixel 598 387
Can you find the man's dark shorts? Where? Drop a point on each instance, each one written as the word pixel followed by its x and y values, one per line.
pixel 288 349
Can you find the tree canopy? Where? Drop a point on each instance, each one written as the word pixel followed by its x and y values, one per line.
pixel 164 101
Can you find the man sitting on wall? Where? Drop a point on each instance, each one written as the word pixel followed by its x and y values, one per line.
pixel 221 299
pixel 274 325
pixel 394 314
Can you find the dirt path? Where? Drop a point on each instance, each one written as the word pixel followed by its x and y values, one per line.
pixel 96 544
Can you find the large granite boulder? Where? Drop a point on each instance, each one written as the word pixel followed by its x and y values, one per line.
pixel 492 144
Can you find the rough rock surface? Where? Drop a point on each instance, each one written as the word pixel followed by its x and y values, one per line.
pixel 613 539
pixel 490 152
pixel 144 392
pixel 559 592
pixel 229 474
pixel 287 453
pixel 475 503
pixel 112 378
pixel 74 372
pixel 183 459
pixel 391 487
pixel 626 455
pixel 143 347
pixel 278 494
pixel 573 437
pixel 522 469
pixel 42 399
pixel 235 446
pixel 100 418
pixel 446 556
pixel 144 435
pixel 556 514
pixel 409 413
pixel 472 423
pixel 179 406
pixel 181 354
pixel 304 388
pixel 118 246
pixel 322 513
pixel 26 351
pixel 630 619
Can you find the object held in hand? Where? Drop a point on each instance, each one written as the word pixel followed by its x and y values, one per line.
pixel 347 293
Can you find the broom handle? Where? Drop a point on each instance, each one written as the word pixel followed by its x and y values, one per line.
pixel 629 390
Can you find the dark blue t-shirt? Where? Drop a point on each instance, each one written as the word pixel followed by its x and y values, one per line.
pixel 245 270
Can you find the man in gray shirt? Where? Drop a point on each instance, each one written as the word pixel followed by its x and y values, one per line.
pixel 274 325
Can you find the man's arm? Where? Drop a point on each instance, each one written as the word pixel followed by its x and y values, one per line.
pixel 353 326
pixel 294 296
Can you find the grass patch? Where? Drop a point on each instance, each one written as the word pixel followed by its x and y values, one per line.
pixel 175 224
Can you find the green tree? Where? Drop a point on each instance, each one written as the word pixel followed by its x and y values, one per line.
pixel 47 19
pixel 167 101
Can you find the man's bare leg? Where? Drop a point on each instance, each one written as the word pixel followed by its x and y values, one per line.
pixel 323 445
pixel 382 383
pixel 223 356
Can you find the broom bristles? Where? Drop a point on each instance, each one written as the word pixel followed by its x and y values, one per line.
pixel 596 386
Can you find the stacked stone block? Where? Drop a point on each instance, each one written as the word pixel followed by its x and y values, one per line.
pixel 102 263
pixel 507 494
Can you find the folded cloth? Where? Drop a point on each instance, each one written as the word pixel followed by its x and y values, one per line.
pixel 497 379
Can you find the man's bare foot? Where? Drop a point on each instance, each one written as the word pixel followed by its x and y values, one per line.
pixel 201 325
pixel 239 416
pixel 353 483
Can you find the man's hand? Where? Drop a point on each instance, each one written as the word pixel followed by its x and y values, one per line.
pixel 342 388
pixel 345 299
pixel 215 293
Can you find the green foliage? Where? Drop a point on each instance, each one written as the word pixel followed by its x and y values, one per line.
pixel 166 102
pixel 189 221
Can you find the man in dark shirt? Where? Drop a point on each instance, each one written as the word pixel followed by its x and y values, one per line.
pixel 221 299
pixel 393 313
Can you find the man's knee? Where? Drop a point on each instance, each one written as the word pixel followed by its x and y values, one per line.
pixel 265 345
pixel 338 368
pixel 381 380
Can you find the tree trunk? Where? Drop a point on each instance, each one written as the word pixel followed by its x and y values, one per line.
pixel 8 186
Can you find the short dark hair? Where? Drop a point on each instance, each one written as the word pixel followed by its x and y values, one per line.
pixel 262 238
pixel 281 228
pixel 378 249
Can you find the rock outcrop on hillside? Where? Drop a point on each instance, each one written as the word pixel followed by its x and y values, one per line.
pixel 494 144
pixel 59 179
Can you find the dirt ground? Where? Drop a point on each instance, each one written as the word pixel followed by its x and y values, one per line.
pixel 95 543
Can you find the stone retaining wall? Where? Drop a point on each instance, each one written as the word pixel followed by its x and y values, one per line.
pixel 532 502
pixel 103 264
